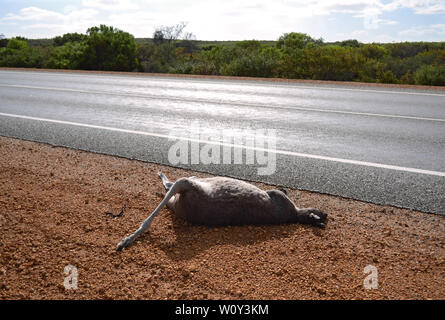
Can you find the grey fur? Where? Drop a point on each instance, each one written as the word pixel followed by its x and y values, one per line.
pixel 221 201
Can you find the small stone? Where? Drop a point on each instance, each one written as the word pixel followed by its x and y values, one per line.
pixel 321 291
pixel 185 273
pixel 279 272
pixel 192 267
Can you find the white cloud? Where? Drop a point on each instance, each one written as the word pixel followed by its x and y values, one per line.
pixel 33 13
pixel 356 34
pixel 37 14
pixel 229 19
pixel 423 6
pixel 435 29
pixel 39 22
pixel 140 24
pixel 111 5
pixel 368 10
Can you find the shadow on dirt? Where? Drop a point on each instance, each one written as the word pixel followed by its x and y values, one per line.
pixel 182 241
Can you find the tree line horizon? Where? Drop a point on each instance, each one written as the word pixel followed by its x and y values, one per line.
pixel 293 55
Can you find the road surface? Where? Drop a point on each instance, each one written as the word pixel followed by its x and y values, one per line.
pixel 382 145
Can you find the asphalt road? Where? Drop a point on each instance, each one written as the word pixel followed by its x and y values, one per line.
pixel 382 145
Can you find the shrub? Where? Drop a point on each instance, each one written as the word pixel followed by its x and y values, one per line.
pixel 67 56
pixel 108 48
pixel 430 75
pixel 386 77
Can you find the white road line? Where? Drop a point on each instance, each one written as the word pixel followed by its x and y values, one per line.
pixel 262 83
pixel 223 102
pixel 284 152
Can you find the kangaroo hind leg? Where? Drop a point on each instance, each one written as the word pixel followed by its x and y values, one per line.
pixel 167 183
pixel 182 185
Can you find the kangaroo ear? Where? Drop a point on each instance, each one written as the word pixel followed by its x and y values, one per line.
pixel 283 190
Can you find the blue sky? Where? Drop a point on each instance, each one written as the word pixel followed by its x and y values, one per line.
pixel 364 20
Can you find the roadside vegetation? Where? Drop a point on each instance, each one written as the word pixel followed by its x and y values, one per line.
pixel 171 50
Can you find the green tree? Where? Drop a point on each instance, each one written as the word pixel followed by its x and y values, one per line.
pixel 18 54
pixel 220 56
pixel 430 75
pixel 386 77
pixel 407 78
pixel 68 37
pixel 296 40
pixel 258 62
pixel 349 43
pixel 108 48
pixel 3 41
pixel 68 56
pixel 151 58
pixel 373 51
pixel 336 63
pixel 166 38
pixel 17 44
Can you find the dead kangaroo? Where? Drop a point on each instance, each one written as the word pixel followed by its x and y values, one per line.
pixel 221 201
